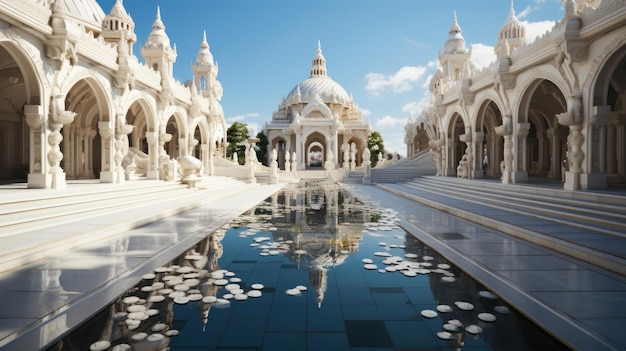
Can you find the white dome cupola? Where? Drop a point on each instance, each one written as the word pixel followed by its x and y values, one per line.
pixel 204 56
pixel 205 71
pixel 157 51
pixel 318 64
pixel 455 59
pixel 511 36
pixel 455 43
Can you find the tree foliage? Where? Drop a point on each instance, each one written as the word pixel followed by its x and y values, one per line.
pixel 236 135
pixel 375 144
pixel 262 145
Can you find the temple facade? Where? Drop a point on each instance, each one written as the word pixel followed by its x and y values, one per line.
pixel 78 104
pixel 554 108
pixel 318 123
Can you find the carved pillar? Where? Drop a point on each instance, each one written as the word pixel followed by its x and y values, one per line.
pixel 153 155
pixel 450 156
pixel 164 158
pixel 106 141
pixel 121 148
pixel 37 165
pixel 506 166
pixel 478 171
pixel 575 157
pixel 58 118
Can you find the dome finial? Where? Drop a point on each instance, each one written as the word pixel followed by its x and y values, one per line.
pixel 318 65
pixel 512 10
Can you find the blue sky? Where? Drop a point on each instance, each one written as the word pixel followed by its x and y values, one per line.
pixel 381 52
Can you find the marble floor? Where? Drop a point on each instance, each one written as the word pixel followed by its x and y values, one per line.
pixel 578 303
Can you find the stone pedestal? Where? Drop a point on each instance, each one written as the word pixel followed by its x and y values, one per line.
pixel 38 181
pixel 572 181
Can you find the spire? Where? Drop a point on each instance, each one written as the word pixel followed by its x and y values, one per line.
pixel 158 24
pixel 318 66
pixel 512 10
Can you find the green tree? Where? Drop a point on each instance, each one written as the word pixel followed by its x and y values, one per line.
pixel 376 144
pixel 262 145
pixel 236 134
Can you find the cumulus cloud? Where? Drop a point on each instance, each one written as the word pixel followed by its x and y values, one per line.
pixel 482 55
pixel 388 122
pixel 365 112
pixel 399 82
pixel 416 107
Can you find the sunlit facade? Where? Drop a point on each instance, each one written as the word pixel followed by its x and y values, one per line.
pixel 553 108
pixel 318 122
pixel 78 104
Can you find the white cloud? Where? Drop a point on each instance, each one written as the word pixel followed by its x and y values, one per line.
pixel 388 122
pixel 365 112
pixel 482 55
pixel 394 142
pixel 240 118
pixel 399 82
pixel 416 107
pixel 253 129
pixel 536 29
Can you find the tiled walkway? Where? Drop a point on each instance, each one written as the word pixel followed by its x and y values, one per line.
pixel 579 303
pixel 48 298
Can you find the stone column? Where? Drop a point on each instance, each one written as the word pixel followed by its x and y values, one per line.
pixel 450 156
pixel 37 173
pixel 520 173
pixel 121 148
pixel 58 117
pixel 575 157
pixel 106 142
pixel 153 155
pixel 596 177
pixel 478 171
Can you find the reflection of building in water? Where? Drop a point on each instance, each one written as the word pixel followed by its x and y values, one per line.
pixel 320 237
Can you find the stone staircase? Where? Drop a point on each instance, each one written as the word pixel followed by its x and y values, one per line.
pixel 587 225
pixel 36 224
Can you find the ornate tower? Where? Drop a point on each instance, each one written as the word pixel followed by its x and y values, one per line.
pixel 119 27
pixel 455 59
pixel 205 71
pixel 511 37
pixel 157 52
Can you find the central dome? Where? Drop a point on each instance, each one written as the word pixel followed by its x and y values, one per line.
pixel 324 87
pixel 319 84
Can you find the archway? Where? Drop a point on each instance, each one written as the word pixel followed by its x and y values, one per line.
pixel 489 145
pixel 280 145
pixel 358 149
pixel 315 155
pixel 608 136
pixel 172 147
pixel 138 146
pixel 18 88
pixel 316 151
pixel 456 149
pixel 546 143
pixel 82 146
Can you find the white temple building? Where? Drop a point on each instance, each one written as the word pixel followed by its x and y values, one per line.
pixel 318 123
pixel 77 103
pixel 554 108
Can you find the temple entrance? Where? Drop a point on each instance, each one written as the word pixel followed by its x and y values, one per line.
pixel 82 151
pixel 490 145
pixel 456 150
pixel 546 143
pixel 14 130
pixel 608 137
pixel 315 155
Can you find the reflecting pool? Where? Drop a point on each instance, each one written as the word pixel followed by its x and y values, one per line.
pixel 311 268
